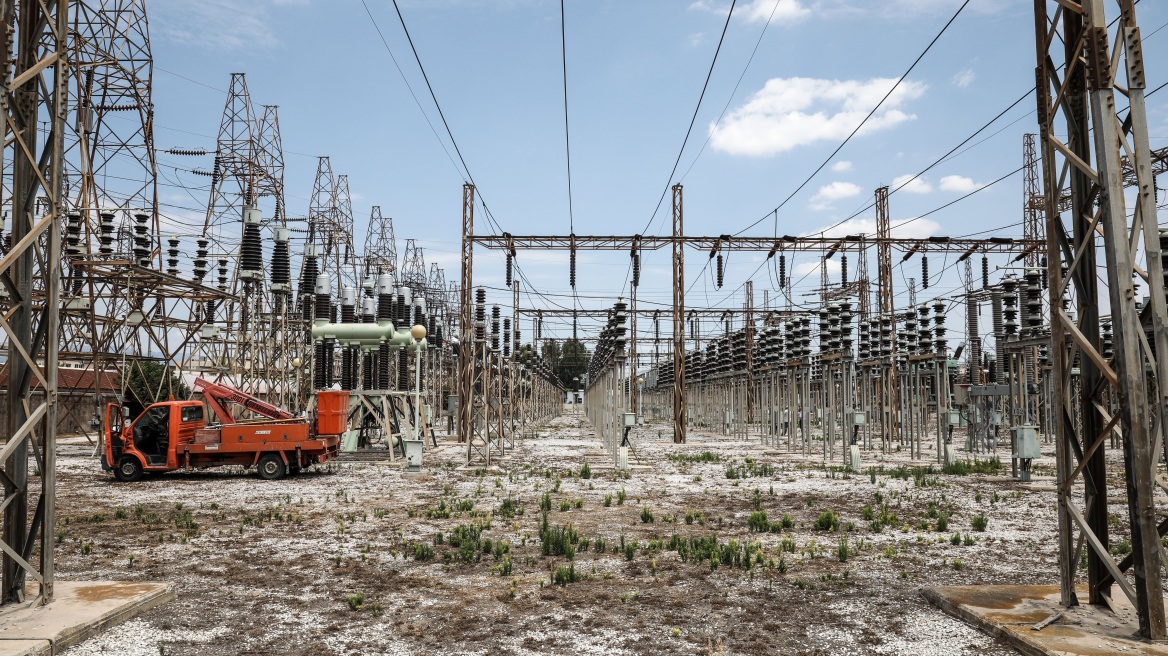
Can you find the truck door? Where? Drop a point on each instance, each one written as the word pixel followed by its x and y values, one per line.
pixel 114 422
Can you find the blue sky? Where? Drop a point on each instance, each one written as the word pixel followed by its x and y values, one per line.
pixel 635 69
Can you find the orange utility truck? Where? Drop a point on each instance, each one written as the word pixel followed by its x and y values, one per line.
pixel 175 435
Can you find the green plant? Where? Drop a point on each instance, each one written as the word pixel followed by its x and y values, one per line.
pixel 545 502
pixel 979 522
pixel 565 575
pixel 757 522
pixel 969 540
pixel 607 500
pixel 942 523
pixel 585 471
pixel 375 609
pixel 957 564
pixel 646 515
pixel 620 497
pixel 423 551
pixel 558 540
pixel 843 549
pixel 955 539
pixel 356 601
pixel 827 521
pixel 508 509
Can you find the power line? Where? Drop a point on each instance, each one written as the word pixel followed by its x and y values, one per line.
pixel 693 119
pixel 863 122
pixel 734 92
pixel 410 87
pixel 567 140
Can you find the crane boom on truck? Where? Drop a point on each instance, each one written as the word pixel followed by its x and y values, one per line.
pixel 173 435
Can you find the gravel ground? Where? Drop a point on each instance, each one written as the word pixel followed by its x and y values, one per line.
pixel 345 561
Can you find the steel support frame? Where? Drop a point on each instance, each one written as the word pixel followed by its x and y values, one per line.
pixel 35 79
pixel 1084 95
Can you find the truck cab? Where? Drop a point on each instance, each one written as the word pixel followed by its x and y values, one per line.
pixel 152 441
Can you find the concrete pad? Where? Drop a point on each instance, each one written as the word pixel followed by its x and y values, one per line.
pixel 1011 612
pixel 79 611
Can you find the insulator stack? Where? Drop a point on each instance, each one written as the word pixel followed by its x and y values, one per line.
pixel 993 372
pixel 420 312
pixel 403 370
pixel 824 331
pixel 200 261
pixel 1010 306
pixel 720 271
pixel 973 339
pixel 308 273
pixel 1107 339
pixel 865 350
pixel 636 269
pixel 885 336
pixel 845 317
pixel 1044 272
pixel 438 336
pixel 481 314
pixel 999 330
pixel 172 255
pixel 843 270
pixel 494 327
pixel 107 233
pixel 368 312
pixel 251 247
pixel 281 262
pixel 985 272
pixel 506 337
pixel 349 353
pixel 384 314
pixel 1033 280
pixel 222 275
pixel 925 271
pixel 924 332
pixel 510 262
pixel 322 362
pixel 782 271
pixel 73 235
pixel 142 239
pixel 572 264
pixel 911 335
pixel 940 344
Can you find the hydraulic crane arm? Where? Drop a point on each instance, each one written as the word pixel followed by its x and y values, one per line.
pixel 218 396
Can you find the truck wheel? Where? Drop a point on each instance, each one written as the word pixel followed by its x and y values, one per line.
pixel 129 470
pixel 271 467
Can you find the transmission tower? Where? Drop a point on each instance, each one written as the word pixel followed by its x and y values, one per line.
pixel 413 269
pixel 380 245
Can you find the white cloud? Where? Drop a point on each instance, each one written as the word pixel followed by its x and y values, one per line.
pixel 696 39
pixel 841 166
pixel 758 11
pixel 216 24
pixel 963 78
pixel 917 186
pixel 830 193
pixel 792 112
pixel 959 184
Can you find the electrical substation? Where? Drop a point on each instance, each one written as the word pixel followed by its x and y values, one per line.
pixel 245 417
